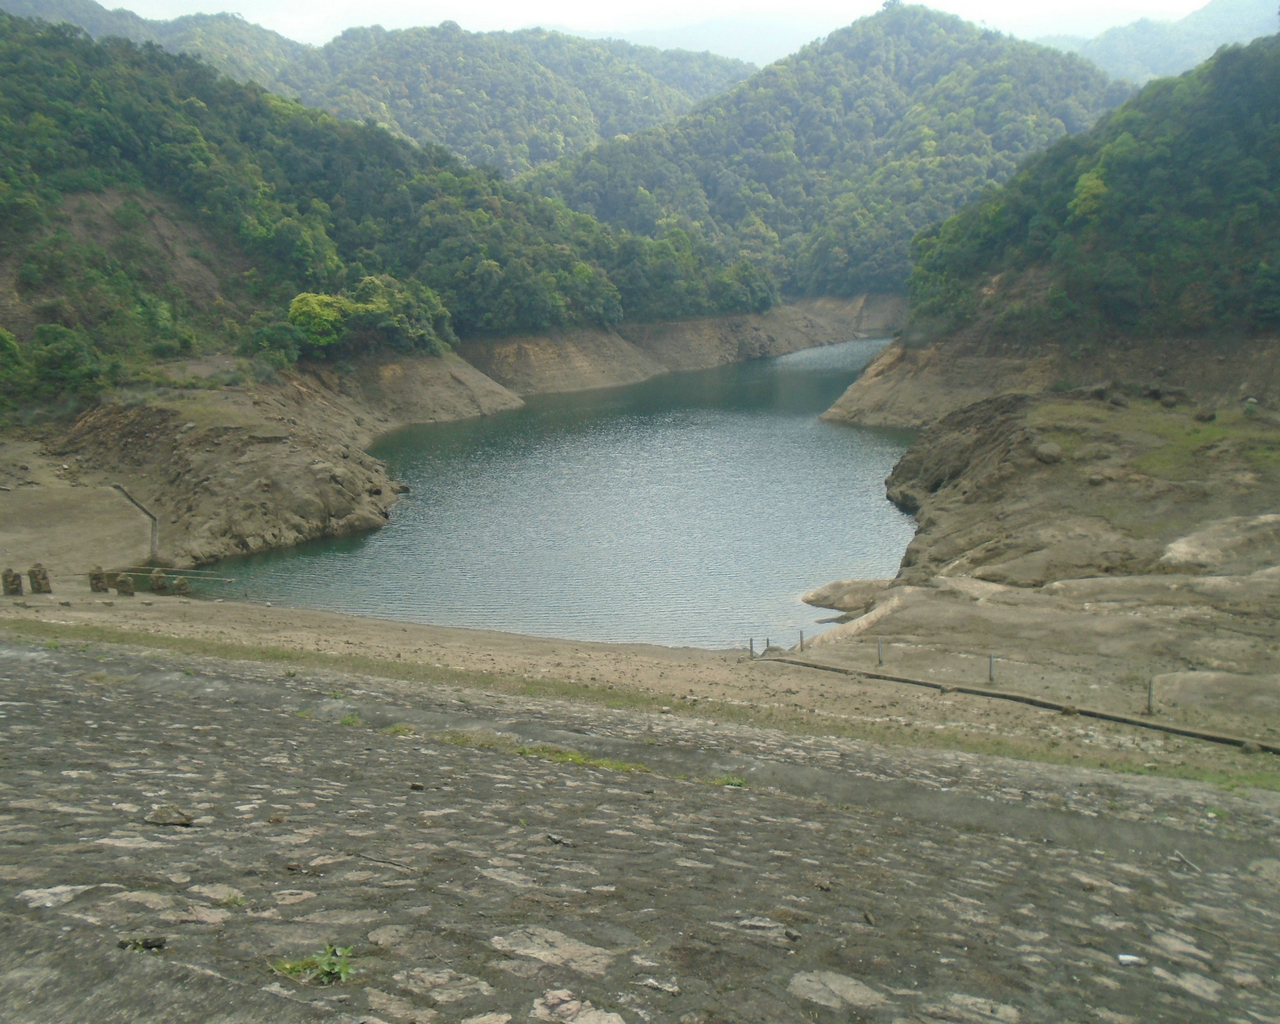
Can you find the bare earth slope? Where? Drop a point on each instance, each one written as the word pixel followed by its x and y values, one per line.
pixel 912 384
pixel 228 471
pixel 579 360
pixel 1087 536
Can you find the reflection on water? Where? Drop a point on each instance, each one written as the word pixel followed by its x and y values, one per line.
pixel 691 509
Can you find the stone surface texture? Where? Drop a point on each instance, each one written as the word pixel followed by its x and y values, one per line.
pixel 843 882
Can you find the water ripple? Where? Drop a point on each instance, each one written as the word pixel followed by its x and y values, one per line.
pixel 689 510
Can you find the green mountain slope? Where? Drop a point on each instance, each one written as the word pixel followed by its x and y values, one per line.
pixel 510 100
pixel 1163 219
pixel 1153 49
pixel 246 52
pixel 349 238
pixel 822 167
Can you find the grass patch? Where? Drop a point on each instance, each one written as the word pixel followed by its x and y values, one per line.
pixel 399 729
pixel 487 739
pixel 331 966
pixel 1181 448
pixel 736 781
pixel 350 719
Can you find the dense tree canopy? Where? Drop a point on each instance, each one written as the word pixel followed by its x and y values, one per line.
pixel 356 237
pixel 1163 218
pixel 821 168
pixel 510 100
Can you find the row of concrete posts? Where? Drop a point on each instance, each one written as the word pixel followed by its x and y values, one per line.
pixel 100 582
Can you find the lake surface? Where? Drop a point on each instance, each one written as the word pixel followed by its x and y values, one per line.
pixel 693 509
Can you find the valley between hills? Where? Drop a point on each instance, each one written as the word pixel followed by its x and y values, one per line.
pixel 1029 779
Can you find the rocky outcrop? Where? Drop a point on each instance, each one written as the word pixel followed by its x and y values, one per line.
pixel 1082 538
pixel 228 490
pixel 846 595
pixel 909 387
pixel 916 381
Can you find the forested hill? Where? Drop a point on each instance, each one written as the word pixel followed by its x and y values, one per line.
pixel 350 238
pixel 822 167
pixel 1164 220
pixel 1150 49
pixel 510 100
pixel 246 52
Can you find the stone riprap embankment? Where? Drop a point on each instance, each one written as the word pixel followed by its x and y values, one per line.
pixel 489 860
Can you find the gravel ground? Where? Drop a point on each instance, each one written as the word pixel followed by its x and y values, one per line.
pixel 491 858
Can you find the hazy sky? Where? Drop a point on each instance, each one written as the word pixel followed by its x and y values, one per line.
pixel 320 20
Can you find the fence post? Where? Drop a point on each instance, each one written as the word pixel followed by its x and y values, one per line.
pixel 752 647
pixel 802 641
pixel 991 668
pixel 879 651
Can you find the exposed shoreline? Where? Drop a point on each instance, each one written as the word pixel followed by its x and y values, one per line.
pixel 717 685
pixel 257 467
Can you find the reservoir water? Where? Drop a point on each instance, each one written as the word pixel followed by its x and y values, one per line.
pixel 692 509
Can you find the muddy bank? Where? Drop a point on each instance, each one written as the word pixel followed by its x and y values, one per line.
pixel 227 471
pixel 911 384
pixel 583 359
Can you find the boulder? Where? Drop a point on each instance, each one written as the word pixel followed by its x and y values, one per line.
pixel 1048 453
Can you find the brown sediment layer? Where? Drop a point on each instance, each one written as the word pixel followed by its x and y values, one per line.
pixel 227 471
pixel 582 359
pixel 911 384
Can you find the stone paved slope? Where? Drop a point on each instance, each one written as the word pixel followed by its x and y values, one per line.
pixel 479 883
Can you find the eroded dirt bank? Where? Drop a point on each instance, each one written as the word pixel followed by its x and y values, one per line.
pixel 911 384
pixel 1088 540
pixel 578 360
pixel 226 471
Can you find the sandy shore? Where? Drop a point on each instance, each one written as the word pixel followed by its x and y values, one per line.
pixel 715 684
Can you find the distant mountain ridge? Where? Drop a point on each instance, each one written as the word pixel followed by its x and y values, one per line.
pixel 1150 49
pixel 509 100
pixel 820 168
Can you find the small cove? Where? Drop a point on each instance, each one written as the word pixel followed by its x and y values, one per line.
pixel 692 509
